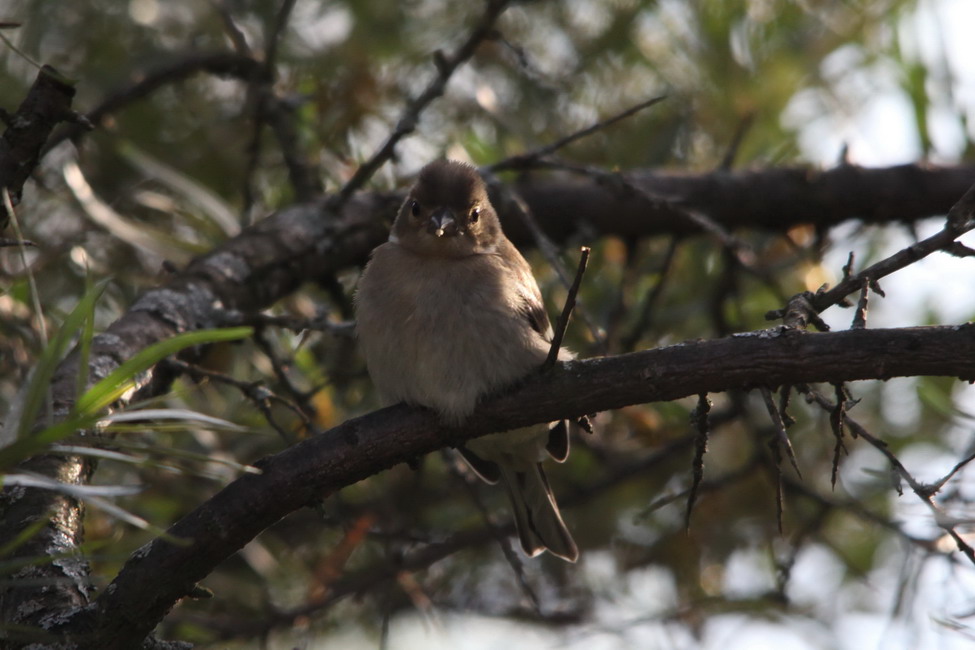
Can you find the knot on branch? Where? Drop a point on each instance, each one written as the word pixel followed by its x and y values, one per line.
pixel 800 312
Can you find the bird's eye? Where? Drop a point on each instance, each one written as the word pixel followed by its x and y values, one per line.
pixel 475 214
pixel 415 209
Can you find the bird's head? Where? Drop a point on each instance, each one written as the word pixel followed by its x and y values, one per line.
pixel 447 213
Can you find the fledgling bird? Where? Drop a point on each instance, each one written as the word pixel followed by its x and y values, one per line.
pixel 447 312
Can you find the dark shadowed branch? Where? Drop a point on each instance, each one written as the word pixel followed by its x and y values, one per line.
pixel 48 102
pixel 273 258
pixel 361 447
pixel 961 219
pixel 217 63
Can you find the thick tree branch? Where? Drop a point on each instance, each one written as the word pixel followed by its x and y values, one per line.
pixel 770 199
pixel 48 102
pixel 361 447
pixel 246 274
pixel 271 259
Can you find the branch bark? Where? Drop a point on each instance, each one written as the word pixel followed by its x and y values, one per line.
pixel 249 272
pixel 271 259
pixel 774 200
pixel 48 102
pixel 128 610
pixel 148 81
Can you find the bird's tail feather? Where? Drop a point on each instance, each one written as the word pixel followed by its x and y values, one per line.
pixel 540 526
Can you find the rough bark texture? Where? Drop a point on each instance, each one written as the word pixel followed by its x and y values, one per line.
pixel 359 448
pixel 271 259
pixel 47 103
pixel 249 272
pixel 769 199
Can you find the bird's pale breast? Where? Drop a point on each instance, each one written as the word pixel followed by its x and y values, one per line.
pixel 442 332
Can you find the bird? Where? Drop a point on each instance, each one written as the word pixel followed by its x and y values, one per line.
pixel 448 312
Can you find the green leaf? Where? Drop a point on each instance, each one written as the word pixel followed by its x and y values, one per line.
pixel 122 378
pixel 86 412
pixel 37 389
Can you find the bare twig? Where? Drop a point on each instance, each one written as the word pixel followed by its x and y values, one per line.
pixel 739 136
pixel 230 26
pixel 778 441
pixel 699 418
pixel 629 341
pixel 272 110
pixel 522 161
pixel 255 391
pixel 301 397
pixel 446 65
pixel 217 63
pixel 860 315
pixel 961 219
pixel 499 533
pixel 784 395
pixel 510 201
pixel 923 492
pixel 781 437
pixel 836 420
pixel 570 301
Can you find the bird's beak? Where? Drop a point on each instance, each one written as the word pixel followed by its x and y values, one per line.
pixel 442 223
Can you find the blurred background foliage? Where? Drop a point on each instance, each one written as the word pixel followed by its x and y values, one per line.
pixel 183 168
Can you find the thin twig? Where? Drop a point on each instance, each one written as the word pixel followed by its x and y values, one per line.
pixel 785 393
pixel 508 200
pixel 259 395
pixel 937 485
pixel 234 32
pixel 446 65
pixel 217 63
pixel 497 531
pixel 923 492
pixel 301 398
pixel 699 417
pixel 836 418
pixel 35 295
pixel 739 136
pixel 22 243
pixel 961 219
pixel 860 315
pixel 521 161
pixel 781 436
pixel 7 243
pixel 628 342
pixel 570 301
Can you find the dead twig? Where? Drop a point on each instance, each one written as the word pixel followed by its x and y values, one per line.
pixel 217 63
pixel 570 301
pixel 961 219
pixel 446 65
pixel 699 418
pixel 526 160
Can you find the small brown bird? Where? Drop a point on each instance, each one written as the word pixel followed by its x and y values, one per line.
pixel 447 311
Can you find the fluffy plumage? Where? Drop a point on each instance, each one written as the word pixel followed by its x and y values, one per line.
pixel 447 312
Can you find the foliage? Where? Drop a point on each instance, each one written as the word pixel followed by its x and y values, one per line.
pixel 171 175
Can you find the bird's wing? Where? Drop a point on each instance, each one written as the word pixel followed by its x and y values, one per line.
pixel 531 308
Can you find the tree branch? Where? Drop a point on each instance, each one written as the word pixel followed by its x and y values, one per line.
pixel 364 446
pixel 271 259
pixel 217 63
pixel 48 102
pixel 770 199
pixel 446 65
